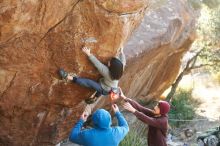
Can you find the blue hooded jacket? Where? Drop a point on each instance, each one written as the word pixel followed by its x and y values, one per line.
pixel 102 134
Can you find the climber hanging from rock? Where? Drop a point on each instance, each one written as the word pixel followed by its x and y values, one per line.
pixel 111 75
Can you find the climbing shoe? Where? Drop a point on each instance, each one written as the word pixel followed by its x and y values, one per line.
pixel 91 100
pixel 63 73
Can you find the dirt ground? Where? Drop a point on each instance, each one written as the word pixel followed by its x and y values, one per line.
pixel 207 91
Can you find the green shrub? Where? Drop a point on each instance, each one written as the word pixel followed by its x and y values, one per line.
pixel 183 107
pixel 133 139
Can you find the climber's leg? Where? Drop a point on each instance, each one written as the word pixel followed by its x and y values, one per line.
pixel 88 83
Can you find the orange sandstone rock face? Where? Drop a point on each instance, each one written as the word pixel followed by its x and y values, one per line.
pixel 123 6
pixel 39 37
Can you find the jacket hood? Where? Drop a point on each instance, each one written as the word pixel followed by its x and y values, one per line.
pixel 102 119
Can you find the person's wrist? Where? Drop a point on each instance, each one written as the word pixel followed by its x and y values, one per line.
pixel 126 99
pixel 133 110
pixel 123 97
pixel 117 112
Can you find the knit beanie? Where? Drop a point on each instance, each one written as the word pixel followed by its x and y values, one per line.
pixel 164 107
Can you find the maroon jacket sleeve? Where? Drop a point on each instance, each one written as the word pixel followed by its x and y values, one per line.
pixel 159 123
pixel 140 108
